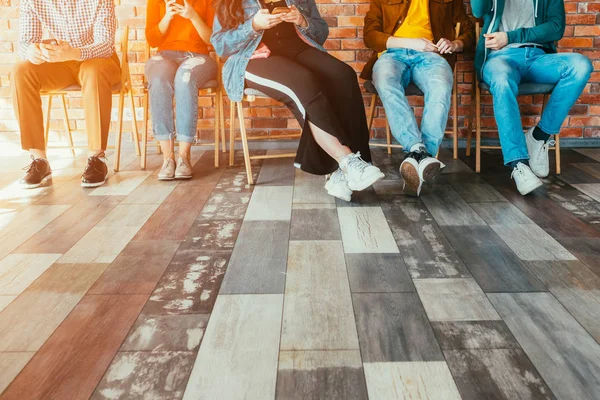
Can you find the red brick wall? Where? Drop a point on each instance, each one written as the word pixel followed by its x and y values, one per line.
pixel 345 42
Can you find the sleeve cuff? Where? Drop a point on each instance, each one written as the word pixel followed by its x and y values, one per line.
pixel 249 29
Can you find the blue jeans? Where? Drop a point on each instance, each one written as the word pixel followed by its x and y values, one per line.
pixel 506 69
pixel 180 74
pixel 392 72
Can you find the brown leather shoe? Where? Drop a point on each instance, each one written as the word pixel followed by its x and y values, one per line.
pixel 95 173
pixel 38 173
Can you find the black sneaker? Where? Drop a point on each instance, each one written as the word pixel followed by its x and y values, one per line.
pixel 418 167
pixel 95 173
pixel 38 173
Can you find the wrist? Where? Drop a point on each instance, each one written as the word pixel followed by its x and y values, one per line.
pixel 75 54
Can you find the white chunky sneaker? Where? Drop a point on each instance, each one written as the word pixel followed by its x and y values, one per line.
pixel 417 168
pixel 538 154
pixel 525 179
pixel 337 186
pixel 184 169
pixel 360 174
pixel 167 172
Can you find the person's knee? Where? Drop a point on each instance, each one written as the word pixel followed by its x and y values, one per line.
pixel 581 67
pixel 21 72
pixel 500 76
pixel 311 87
pixel 194 69
pixel 95 70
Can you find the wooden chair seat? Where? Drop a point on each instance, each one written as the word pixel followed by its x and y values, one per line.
pixel 526 89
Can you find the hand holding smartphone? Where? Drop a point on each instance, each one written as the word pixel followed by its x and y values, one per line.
pixel 281 10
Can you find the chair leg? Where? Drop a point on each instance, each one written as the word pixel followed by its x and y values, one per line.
pixel 119 131
pixel 388 136
pixel 454 119
pixel 240 111
pixel 47 127
pixel 222 121
pixel 145 131
pixel 470 127
pixel 135 136
pixel 478 129
pixel 232 106
pixel 67 127
pixel 557 151
pixel 217 133
pixel 372 113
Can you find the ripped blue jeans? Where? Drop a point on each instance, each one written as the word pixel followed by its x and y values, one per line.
pixel 177 75
pixel 392 72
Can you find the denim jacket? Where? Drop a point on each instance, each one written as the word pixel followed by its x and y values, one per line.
pixel 238 44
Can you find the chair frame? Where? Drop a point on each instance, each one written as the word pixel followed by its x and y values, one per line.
pixel 478 129
pixel 237 109
pixel 388 134
pixel 219 115
pixel 125 89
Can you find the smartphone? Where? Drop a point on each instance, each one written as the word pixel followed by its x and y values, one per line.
pixel 280 10
pixel 50 41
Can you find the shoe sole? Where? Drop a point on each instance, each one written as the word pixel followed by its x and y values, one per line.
pixel 357 187
pixel 431 172
pixel 92 185
pixel 45 180
pixel 163 178
pixel 530 188
pixel 183 176
pixel 544 175
pixel 339 195
pixel 412 182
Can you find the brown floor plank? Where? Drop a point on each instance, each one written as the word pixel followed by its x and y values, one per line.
pixel 66 230
pixel 175 216
pixel 74 359
pixel 138 268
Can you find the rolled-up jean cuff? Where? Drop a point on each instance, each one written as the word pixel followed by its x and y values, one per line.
pixel 161 138
pixel 185 139
pixel 548 131
pixel 526 157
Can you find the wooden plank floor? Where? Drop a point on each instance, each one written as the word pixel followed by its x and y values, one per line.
pixel 213 289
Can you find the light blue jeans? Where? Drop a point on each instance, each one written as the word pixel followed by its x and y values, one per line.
pixel 392 72
pixel 177 74
pixel 505 69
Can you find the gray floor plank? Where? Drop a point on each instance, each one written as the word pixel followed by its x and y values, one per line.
pixel 270 203
pixel 394 327
pixel 277 171
pixel 566 356
pixel 591 189
pixel 503 374
pixel 477 192
pixel 492 263
pixel 532 243
pixel 587 250
pixel 258 261
pixel 315 224
pixel 317 311
pixel 448 208
pixel 365 230
pixel 458 299
pixel 474 335
pixel 576 287
pixel 378 273
pixel 501 214
pixel 426 251
pixel 364 198
pixel 315 375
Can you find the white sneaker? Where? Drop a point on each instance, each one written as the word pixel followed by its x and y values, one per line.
pixel 538 154
pixel 360 174
pixel 184 169
pixel 337 186
pixel 417 168
pixel 525 179
pixel 167 172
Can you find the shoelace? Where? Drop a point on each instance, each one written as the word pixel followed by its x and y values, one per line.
pixel 34 164
pixel 417 155
pixel 548 144
pixel 357 162
pixel 92 163
pixel 518 169
pixel 337 177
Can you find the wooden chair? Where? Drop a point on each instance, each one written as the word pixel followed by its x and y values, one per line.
pixel 525 89
pixel 121 89
pixel 212 88
pixel 250 95
pixel 413 90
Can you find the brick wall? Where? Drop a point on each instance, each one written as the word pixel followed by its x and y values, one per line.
pixel 345 19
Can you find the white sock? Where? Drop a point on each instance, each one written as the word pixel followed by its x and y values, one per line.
pixel 417 147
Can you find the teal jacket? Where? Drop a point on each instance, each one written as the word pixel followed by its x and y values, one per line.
pixel 549 25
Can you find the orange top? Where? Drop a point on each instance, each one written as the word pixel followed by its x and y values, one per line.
pixel 181 34
pixel 416 24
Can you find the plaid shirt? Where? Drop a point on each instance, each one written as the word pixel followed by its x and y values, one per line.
pixel 89 25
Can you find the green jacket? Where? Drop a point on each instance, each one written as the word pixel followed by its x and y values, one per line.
pixel 549 25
